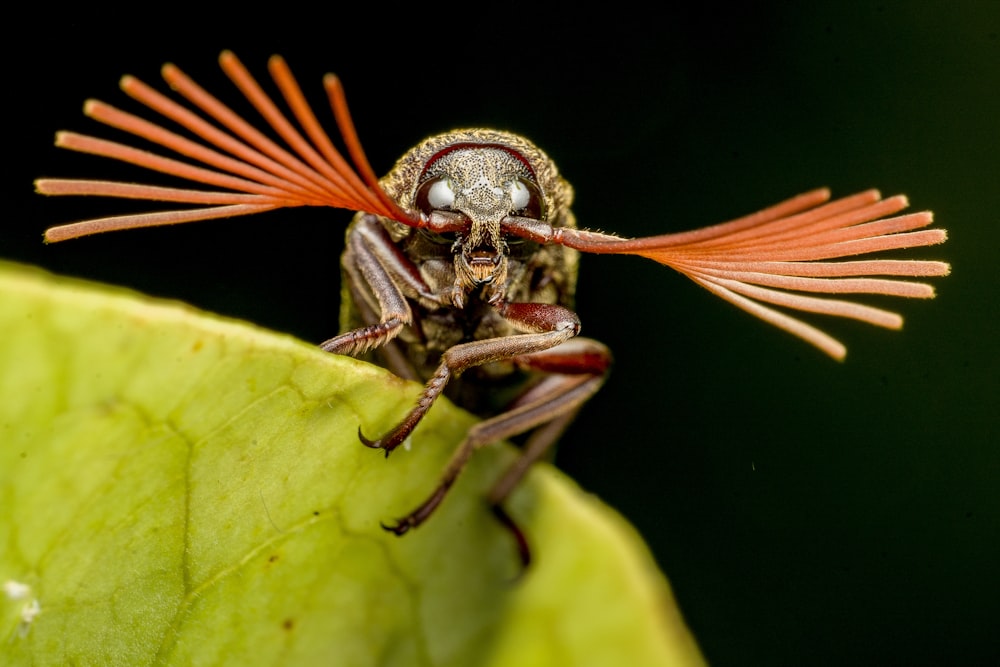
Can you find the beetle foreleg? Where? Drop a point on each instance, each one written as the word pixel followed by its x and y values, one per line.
pixel 371 260
pixel 575 392
pixel 580 367
pixel 552 325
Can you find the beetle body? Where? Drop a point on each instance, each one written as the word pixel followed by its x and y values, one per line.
pixel 456 306
pixel 474 311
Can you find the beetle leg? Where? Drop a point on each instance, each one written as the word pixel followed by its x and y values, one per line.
pixel 541 441
pixel 579 368
pixel 372 260
pixel 551 325
pixel 391 354
pixel 584 361
pixel 573 394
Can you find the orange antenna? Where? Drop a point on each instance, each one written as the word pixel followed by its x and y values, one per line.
pixel 256 173
pixel 778 257
pixel 774 257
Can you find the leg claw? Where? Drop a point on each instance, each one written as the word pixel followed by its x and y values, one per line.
pixel 399 528
pixel 521 542
pixel 374 444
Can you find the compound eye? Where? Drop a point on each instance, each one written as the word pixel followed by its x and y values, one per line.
pixel 435 194
pixel 526 199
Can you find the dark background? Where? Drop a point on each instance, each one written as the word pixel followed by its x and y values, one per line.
pixel 805 511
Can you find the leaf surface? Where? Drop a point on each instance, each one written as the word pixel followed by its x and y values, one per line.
pixel 177 488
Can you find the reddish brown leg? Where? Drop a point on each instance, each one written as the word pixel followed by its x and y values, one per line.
pixel 554 325
pixel 540 442
pixel 380 278
pixel 580 367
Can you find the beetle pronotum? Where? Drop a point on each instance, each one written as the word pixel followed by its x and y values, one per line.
pixel 462 260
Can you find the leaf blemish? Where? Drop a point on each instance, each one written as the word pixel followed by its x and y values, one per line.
pixel 15 590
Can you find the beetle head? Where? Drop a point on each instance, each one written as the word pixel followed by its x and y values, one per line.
pixel 477 178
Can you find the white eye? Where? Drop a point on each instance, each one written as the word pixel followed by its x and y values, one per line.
pixel 437 194
pixel 526 199
pixel 519 195
pixel 441 195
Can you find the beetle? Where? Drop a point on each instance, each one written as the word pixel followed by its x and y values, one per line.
pixel 460 265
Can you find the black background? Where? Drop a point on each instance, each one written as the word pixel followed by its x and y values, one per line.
pixel 805 511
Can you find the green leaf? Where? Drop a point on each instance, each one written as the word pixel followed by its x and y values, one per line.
pixel 176 488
